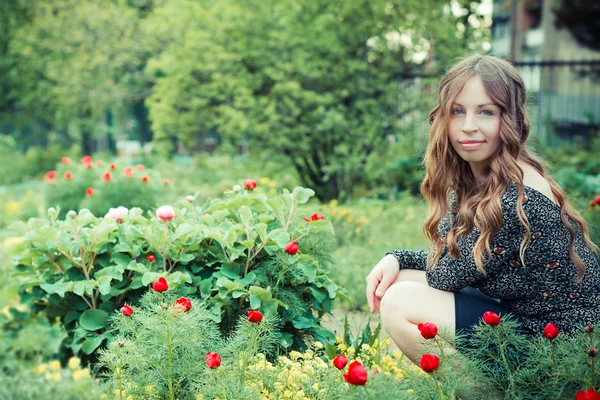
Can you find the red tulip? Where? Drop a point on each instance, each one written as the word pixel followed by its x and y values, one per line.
pixel 429 362
pixel 50 175
pixel 291 248
pixel 160 285
pixel 551 331
pixel 428 330
pixel 184 303
pixel 107 177
pixel 151 258
pixel 65 160
pixel 598 199
pixel 86 159
pixel 139 167
pixel 591 394
pixel 357 374
pixel 255 316
pixel 113 166
pixel 340 361
pixel 89 191
pixel 316 217
pixel 144 179
pixel 68 175
pixel 592 202
pixel 491 318
pixel 126 311
pixel 250 184
pixel 213 360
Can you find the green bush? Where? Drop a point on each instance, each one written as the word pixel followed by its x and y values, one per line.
pixel 99 186
pixel 229 252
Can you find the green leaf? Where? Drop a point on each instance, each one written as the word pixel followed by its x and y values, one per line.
pixel 59 287
pixel 254 302
pixel 231 270
pixel 150 277
pixel 246 215
pixel 92 319
pixel 115 272
pixel 281 237
pixel 238 293
pixel 104 284
pixel 302 195
pixel 261 228
pixel 91 343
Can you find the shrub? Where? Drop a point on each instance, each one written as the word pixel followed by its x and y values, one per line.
pixel 229 252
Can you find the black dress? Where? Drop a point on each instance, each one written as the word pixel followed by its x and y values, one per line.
pixel 541 291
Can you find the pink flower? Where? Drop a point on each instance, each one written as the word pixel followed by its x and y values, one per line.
pixel 165 213
pixel 340 361
pixel 126 311
pixel 491 318
pixel 190 198
pixel 139 167
pixel 184 303
pixel 255 316
pixel 65 160
pixel 291 248
pixel 117 213
pixel 428 330
pixel 128 172
pixel 86 159
pixel 160 285
pixel 213 360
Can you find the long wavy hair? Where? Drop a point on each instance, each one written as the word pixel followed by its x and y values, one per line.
pixel 478 202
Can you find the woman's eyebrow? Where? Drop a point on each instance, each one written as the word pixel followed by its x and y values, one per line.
pixel 479 106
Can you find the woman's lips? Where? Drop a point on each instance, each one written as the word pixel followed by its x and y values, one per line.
pixel 471 145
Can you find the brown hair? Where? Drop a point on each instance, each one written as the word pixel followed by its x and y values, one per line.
pixel 478 203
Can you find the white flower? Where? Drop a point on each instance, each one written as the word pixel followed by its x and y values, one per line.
pixel 117 213
pixel 190 198
pixel 237 188
pixel 165 213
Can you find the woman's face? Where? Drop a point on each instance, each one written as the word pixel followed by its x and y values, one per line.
pixel 474 128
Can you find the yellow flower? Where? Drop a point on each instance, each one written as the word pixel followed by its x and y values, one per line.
pixel 342 347
pixel 344 212
pixel 350 218
pixel 74 363
pixel 333 203
pixel 410 391
pixel 315 387
pixel 81 374
pixel 351 350
pixel 53 376
pixel 318 345
pixel 357 230
pixel 150 389
pixel 398 354
pixel 54 365
pixel 40 369
pixel 339 339
pixel 365 347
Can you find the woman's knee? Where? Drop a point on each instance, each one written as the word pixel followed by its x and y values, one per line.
pixel 397 301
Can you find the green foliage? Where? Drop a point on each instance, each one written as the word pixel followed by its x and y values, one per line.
pixel 229 252
pixel 121 189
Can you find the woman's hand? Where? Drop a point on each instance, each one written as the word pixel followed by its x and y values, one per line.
pixel 380 279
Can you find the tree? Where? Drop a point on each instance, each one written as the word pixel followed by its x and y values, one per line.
pixel 316 80
pixel 582 19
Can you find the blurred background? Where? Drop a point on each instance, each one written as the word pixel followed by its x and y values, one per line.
pixel 178 97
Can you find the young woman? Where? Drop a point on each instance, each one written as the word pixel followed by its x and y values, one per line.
pixel 503 236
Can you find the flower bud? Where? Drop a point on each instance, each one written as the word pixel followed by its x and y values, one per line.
pixel 190 198
pixel 71 214
pixel 164 306
pixel 120 344
pixel 237 188
pixel 589 328
pixel 592 352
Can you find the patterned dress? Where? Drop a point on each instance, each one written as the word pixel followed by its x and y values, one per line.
pixel 541 291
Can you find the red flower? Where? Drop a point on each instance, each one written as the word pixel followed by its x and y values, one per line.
pixel 250 184
pixel 65 160
pixel 598 199
pixel 428 330
pixel 99 163
pixel 86 159
pixel 89 166
pixel 592 202
pixel 127 311
pixel 139 167
pixel 144 179
pixel 255 316
pixel 151 258
pixel 551 331
pixel 107 177
pixel 128 171
pixel 213 360
pixel 89 191
pixel 166 182
pixel 429 362
pixel 184 303
pixel 160 285
pixel 291 248
pixel 68 175
pixel 591 394
pixel 113 166
pixel 340 361
pixel 491 318
pixel 314 217
pixel 50 175
pixel 357 374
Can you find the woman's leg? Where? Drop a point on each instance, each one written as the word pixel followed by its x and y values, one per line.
pixel 411 301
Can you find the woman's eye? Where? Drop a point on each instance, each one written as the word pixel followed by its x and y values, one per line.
pixel 487 113
pixel 456 111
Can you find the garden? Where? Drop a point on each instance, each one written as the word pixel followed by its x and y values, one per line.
pixel 192 194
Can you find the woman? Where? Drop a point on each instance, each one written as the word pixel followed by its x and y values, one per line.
pixel 499 227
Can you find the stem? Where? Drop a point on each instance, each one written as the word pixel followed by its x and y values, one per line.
pixel 504 361
pixel 169 355
pixel 119 380
pixel 437 386
pixel 287 223
pixel 164 252
pixel 245 357
pixel 442 352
